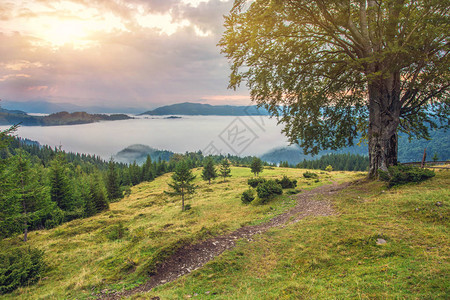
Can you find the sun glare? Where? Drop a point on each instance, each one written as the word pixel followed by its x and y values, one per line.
pixel 78 25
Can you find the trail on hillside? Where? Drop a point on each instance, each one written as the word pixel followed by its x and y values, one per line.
pixel 191 257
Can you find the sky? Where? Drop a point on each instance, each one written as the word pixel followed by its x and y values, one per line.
pixel 133 53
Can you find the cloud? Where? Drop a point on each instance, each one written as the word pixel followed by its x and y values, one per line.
pixel 141 66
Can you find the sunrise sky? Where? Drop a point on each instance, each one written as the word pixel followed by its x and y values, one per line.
pixel 139 53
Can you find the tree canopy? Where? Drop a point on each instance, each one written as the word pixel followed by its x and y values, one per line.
pixel 332 69
pixel 182 182
pixel 256 166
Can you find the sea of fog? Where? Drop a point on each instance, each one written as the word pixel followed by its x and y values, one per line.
pixel 247 135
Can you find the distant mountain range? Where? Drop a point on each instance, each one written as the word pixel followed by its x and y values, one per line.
pixel 44 107
pixel 8 117
pixel 190 109
pixel 408 151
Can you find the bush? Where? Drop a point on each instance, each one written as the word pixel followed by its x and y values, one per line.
pixel 403 174
pixel 293 191
pixel 117 232
pixel 268 189
pixel 248 196
pixel 286 183
pixel 308 174
pixel 329 168
pixel 20 267
pixel 254 182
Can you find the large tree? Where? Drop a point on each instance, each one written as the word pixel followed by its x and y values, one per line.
pixel 335 70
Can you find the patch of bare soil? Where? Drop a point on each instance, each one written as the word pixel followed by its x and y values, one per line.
pixel 192 257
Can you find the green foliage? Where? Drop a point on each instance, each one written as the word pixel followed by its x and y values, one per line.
pixel 116 232
pixel 325 68
pixel 113 182
pixel 329 168
pixel 182 182
pixel 268 189
pixel 248 196
pixel 308 174
pixel 147 170
pixel 256 166
pixel 209 171
pixel 254 182
pixel 99 197
pixel 20 267
pixel 225 169
pixel 60 187
pixel 286 183
pixel 338 162
pixel 402 174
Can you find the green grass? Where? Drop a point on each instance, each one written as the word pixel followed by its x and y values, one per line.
pixel 338 257
pixel 86 256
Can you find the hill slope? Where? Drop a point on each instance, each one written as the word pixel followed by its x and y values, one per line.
pixel 334 256
pixel 60 118
pixel 188 108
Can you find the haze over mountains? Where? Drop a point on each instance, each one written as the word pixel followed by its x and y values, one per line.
pixel 191 109
pixel 45 107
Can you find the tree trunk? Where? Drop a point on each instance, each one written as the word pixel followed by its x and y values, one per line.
pixel 182 200
pixel 384 112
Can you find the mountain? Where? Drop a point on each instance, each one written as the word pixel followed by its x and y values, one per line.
pixel 188 108
pixel 8 111
pixel 408 151
pixel 138 153
pixel 45 107
pixel 61 118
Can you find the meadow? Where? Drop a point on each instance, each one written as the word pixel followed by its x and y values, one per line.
pixel 112 250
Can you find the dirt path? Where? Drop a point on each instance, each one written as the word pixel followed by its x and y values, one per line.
pixel 192 257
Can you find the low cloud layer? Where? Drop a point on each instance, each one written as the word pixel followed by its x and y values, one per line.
pixel 141 53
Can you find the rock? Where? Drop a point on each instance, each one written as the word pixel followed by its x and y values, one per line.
pixel 381 241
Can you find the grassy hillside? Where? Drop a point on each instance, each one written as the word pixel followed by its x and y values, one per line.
pixel 113 250
pixel 338 257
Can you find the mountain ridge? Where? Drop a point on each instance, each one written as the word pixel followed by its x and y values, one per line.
pixel 191 109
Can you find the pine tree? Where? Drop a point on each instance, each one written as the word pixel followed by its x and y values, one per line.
pixel 182 182
pixel 29 194
pixel 112 182
pixel 98 193
pixel 256 166
pixel 225 170
pixel 147 170
pixel 209 171
pixel 60 190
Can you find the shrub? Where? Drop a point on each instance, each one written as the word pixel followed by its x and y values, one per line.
pixel 329 168
pixel 286 183
pixel 403 174
pixel 254 182
pixel 268 189
pixel 19 268
pixel 293 191
pixel 117 232
pixel 248 196
pixel 308 174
